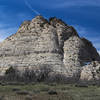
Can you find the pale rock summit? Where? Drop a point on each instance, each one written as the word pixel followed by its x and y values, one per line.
pixel 54 43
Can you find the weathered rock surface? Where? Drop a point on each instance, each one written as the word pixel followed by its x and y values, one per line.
pixel 42 42
pixel 91 72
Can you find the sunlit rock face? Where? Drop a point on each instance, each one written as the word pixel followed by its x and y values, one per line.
pixel 42 42
pixel 91 72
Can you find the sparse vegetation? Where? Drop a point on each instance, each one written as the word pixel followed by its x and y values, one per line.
pixel 44 74
pixel 11 74
pixel 53 92
pixel 22 92
pixel 53 88
pixel 9 71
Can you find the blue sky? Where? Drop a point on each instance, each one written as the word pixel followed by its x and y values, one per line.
pixel 84 15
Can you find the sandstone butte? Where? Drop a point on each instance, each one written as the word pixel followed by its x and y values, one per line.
pixel 51 43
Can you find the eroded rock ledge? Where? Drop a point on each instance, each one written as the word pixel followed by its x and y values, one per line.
pixel 54 43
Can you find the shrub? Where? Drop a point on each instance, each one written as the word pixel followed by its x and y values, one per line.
pixel 37 75
pixel 57 78
pixel 52 92
pixel 81 85
pixel 9 71
pixel 11 74
pixel 15 89
pixel 29 75
pixel 22 93
pixel 44 73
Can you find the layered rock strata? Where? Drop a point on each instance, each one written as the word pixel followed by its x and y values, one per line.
pixel 42 42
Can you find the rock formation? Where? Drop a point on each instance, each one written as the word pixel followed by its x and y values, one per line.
pixel 91 72
pixel 54 43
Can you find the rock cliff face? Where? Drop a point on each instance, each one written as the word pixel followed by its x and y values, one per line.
pixel 42 42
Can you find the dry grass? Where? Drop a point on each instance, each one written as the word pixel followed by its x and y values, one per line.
pixel 41 92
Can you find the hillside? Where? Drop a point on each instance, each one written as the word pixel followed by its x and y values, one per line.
pixel 50 45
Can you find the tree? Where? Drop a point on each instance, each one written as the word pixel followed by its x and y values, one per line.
pixel 11 74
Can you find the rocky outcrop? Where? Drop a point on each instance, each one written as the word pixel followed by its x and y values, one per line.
pixel 91 72
pixel 42 42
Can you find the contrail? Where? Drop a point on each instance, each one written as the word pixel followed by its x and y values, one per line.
pixel 30 7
